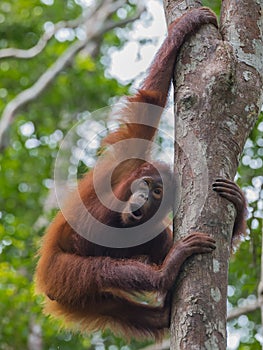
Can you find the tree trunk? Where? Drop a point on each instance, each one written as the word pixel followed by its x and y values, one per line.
pixel 218 96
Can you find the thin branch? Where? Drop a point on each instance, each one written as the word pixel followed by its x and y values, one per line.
pixel 40 85
pixel 236 312
pixel 39 47
pixel 111 25
pixel 48 34
pixel 95 28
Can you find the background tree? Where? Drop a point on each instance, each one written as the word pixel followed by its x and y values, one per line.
pixel 40 33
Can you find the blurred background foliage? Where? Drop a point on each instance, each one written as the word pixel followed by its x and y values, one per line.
pixel 26 173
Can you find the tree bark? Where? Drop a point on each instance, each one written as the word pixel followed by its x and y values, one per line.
pixel 218 96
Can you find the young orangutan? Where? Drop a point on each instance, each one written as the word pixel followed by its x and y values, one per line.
pixel 95 286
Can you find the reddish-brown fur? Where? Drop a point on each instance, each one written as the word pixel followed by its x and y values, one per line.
pixel 96 286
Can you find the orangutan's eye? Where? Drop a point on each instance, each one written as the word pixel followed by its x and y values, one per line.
pixel 157 193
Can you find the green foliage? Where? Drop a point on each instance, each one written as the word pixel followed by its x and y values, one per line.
pixel 215 5
pixel 245 266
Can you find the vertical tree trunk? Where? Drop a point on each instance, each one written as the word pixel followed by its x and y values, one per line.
pixel 218 96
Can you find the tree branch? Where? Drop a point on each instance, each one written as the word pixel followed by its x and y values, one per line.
pixel 40 85
pixel 95 26
pixel 238 311
pixel 48 34
pixel 180 8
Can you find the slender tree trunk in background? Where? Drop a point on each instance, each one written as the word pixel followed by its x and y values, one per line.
pixel 218 84
pixel 260 285
pixel 35 341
